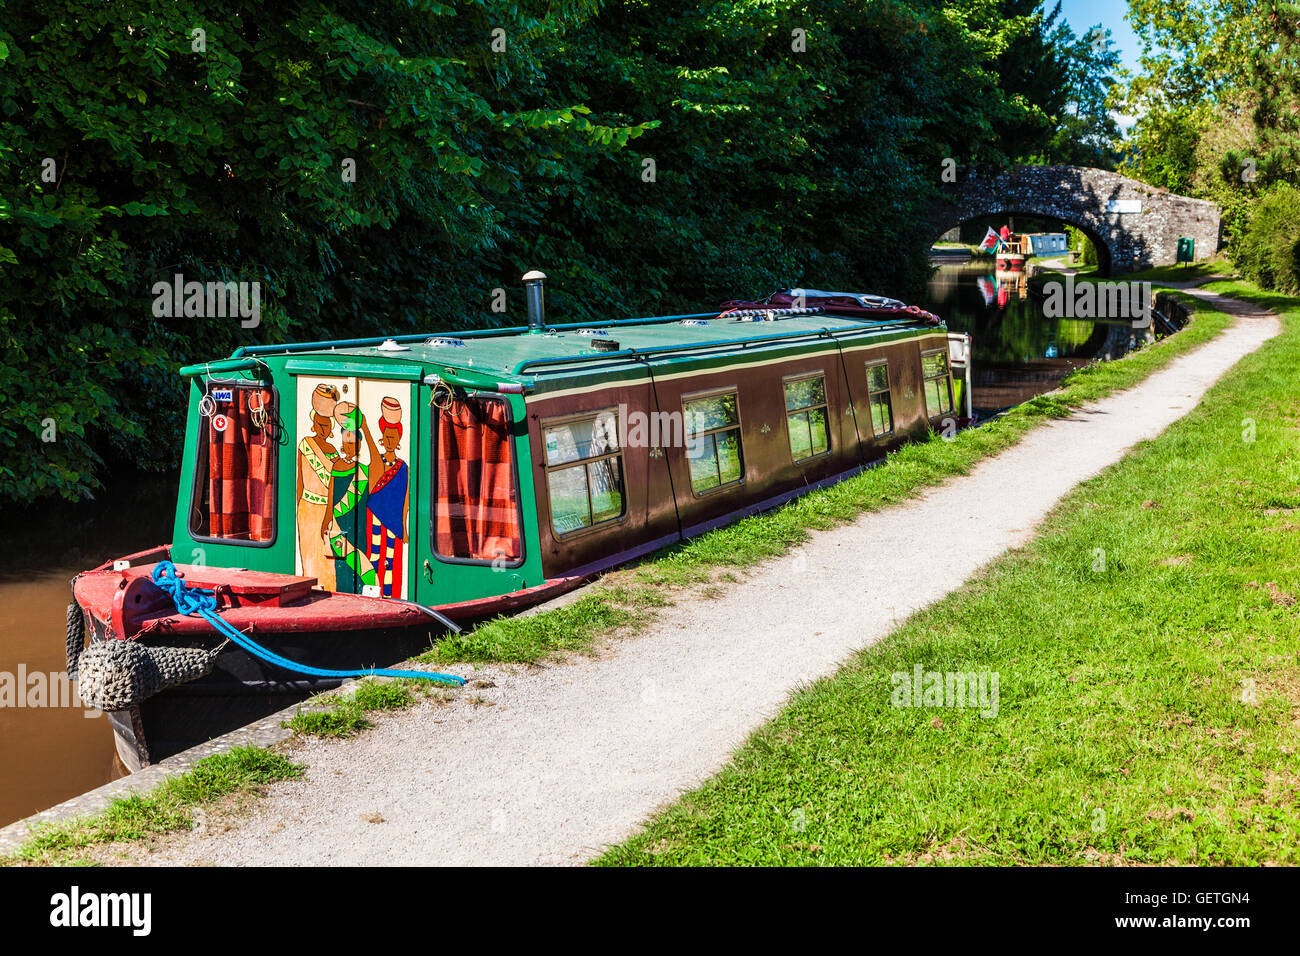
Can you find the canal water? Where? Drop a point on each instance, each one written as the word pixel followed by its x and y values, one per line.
pixel 55 749
pixel 1018 351
pixel 48 754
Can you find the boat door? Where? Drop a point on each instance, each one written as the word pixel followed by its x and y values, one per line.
pixel 353 492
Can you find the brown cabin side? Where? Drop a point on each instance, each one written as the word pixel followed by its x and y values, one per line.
pixel 661 503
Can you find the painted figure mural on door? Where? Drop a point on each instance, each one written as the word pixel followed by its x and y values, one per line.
pixel 316 454
pixel 352 568
pixel 390 498
pixel 353 499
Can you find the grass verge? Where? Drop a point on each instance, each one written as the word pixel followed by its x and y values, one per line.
pixel 627 599
pixel 335 715
pixel 1184 273
pixel 1156 275
pixel 1147 646
pixel 168 808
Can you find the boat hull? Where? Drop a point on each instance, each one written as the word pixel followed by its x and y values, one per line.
pixel 242 689
pixel 321 629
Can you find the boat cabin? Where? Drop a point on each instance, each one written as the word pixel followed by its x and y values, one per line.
pixel 474 471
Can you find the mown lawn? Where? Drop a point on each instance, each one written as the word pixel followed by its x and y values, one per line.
pixel 1147 646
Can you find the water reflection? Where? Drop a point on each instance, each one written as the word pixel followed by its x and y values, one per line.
pixel 1019 351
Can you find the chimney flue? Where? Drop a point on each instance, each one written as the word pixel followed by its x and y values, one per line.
pixel 536 301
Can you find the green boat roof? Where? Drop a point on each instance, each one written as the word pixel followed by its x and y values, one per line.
pixel 563 355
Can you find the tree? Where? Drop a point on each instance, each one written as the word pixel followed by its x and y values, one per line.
pixel 385 168
pixel 1217 104
pixel 339 156
pixel 1275 79
pixel 1197 60
pixel 1088 133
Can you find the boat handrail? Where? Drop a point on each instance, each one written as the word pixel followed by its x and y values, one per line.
pixel 289 347
pixel 245 358
pixel 222 365
pixel 661 350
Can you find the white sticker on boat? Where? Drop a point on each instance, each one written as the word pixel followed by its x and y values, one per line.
pixel 371 590
pixel 219 422
pixel 223 394
pixel 121 565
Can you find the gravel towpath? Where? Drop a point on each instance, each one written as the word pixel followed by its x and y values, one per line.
pixel 552 764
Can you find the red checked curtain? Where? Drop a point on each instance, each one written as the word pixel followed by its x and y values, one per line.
pixel 240 496
pixel 477 512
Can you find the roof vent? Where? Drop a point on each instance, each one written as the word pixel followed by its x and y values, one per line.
pixel 605 345
pixel 392 345
pixel 445 343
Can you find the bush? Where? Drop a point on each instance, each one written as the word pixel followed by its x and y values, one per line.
pixel 1270 250
pixel 1079 242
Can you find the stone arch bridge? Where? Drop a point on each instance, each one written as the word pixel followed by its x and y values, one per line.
pixel 1134 226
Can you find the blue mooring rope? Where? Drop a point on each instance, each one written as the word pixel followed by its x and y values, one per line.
pixel 191 600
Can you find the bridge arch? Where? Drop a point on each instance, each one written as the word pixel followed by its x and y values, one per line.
pixel 1099 240
pixel 1134 226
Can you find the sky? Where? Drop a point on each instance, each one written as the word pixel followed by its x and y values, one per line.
pixel 1084 14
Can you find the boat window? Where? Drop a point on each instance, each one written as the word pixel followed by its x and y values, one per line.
pixel 882 411
pixel 584 471
pixel 805 416
pixel 938 385
pixel 476 492
pixel 233 500
pixel 713 441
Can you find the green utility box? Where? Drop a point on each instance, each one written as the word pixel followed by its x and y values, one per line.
pixel 1186 249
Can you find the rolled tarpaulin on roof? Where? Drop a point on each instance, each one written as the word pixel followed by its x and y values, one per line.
pixel 842 303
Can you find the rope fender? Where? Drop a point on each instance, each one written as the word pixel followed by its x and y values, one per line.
pixel 200 601
pixel 117 674
pixel 76 638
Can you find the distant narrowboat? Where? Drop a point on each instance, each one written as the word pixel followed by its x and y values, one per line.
pixel 342 498
pixel 1013 249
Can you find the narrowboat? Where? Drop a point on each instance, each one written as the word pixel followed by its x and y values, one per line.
pixel 345 502
pixel 1014 249
pixel 1011 254
pixel 1046 243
